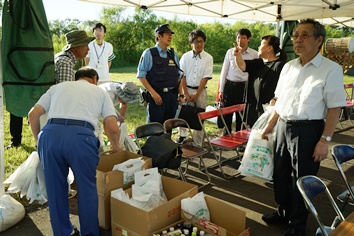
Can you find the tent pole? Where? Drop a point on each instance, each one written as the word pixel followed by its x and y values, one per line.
pixel 282 34
pixel 2 171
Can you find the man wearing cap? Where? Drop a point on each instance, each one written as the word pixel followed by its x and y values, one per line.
pixel 76 47
pixel 101 53
pixel 68 140
pixel 159 73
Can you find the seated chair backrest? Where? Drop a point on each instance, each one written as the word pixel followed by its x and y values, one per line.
pixel 149 129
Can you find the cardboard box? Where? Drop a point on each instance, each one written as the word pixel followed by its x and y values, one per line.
pixel 231 220
pixel 108 180
pixel 128 220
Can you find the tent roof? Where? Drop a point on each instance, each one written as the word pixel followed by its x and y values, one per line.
pixel 331 12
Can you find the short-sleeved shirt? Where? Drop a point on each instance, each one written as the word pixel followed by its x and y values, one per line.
pixel 64 64
pixel 99 56
pixel 306 92
pixel 145 63
pixel 196 67
pixel 91 102
pixel 111 89
pixel 230 70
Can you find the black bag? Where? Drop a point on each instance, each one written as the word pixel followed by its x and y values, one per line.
pixel 163 151
pixel 219 122
pixel 190 114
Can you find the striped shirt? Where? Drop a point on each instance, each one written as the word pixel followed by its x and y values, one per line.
pixel 64 66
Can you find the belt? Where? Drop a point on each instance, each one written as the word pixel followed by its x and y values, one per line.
pixel 60 121
pixel 194 87
pixel 165 90
pixel 300 121
pixel 236 83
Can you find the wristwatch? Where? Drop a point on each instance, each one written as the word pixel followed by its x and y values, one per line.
pixel 327 138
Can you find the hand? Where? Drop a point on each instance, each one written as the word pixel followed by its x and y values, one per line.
pixel 187 97
pixel 157 98
pixel 194 98
pixel 181 100
pixel 121 119
pixel 118 148
pixel 237 50
pixel 221 96
pixel 321 151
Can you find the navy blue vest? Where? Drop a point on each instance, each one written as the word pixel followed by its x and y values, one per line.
pixel 164 71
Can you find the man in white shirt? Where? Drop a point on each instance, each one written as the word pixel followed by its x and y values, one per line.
pixel 101 53
pixel 68 140
pixel 233 80
pixel 309 97
pixel 197 66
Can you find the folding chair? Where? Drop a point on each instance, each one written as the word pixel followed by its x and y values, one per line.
pixel 342 153
pixel 239 108
pixel 311 186
pixel 226 142
pixel 347 111
pixel 152 129
pixel 189 151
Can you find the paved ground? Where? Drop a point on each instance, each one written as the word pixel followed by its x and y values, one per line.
pixel 249 194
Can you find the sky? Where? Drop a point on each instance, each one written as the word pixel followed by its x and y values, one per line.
pixel 74 9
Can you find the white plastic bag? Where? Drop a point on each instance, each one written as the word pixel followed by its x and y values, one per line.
pixel 196 206
pixel 11 212
pixel 129 167
pixel 126 140
pixel 258 156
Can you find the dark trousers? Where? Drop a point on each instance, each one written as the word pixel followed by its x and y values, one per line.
pixel 233 94
pixel 16 129
pixel 165 111
pixel 294 146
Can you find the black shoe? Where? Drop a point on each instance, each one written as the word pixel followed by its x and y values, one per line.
pixel 12 145
pixel 292 231
pixel 180 140
pixel 274 219
pixel 76 232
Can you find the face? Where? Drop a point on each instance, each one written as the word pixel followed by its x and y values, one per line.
pixel 305 42
pixel 81 51
pixel 264 49
pixel 165 39
pixel 198 45
pixel 242 40
pixel 99 33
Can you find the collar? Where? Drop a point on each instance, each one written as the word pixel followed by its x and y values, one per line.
pixel 160 49
pixel 316 61
pixel 197 55
pixel 101 44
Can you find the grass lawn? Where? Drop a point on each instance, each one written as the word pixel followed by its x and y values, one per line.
pixel 135 116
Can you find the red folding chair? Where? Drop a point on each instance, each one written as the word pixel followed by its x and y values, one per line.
pixel 347 111
pixel 225 142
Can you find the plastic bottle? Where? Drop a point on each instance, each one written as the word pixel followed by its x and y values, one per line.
pixel 177 232
pixel 194 234
pixel 201 233
pixel 186 232
pixel 172 229
pixel 164 232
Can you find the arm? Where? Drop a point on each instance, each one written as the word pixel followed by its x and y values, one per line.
pixel 321 149
pixel 157 98
pixel 223 74
pixel 33 118
pixel 238 58
pixel 109 64
pixel 270 125
pixel 113 133
pixel 122 110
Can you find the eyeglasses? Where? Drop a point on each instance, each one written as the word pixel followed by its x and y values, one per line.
pixel 302 36
pixel 199 42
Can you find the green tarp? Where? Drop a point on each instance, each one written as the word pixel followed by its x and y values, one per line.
pixel 27 54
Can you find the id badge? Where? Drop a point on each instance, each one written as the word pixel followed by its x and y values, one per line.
pixel 99 66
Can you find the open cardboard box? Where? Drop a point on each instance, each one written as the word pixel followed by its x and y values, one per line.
pixel 226 219
pixel 108 180
pixel 128 220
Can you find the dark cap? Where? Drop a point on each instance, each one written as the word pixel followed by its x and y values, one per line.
pixel 165 28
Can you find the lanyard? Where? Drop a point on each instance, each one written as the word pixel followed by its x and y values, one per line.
pixel 98 57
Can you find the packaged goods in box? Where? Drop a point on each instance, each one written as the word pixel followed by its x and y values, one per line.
pixel 128 220
pixel 108 180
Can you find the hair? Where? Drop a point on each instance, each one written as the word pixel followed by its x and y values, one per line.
pixel 244 31
pixel 195 34
pixel 318 29
pixel 98 25
pixel 86 71
pixel 275 43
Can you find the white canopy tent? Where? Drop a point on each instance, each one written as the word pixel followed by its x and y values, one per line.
pixel 329 12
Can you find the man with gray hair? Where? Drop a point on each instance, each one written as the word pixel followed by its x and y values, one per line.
pixel 309 97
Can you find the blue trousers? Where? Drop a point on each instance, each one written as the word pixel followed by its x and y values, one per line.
pixel 163 112
pixel 294 146
pixel 61 147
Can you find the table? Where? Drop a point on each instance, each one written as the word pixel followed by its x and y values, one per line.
pixel 345 228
